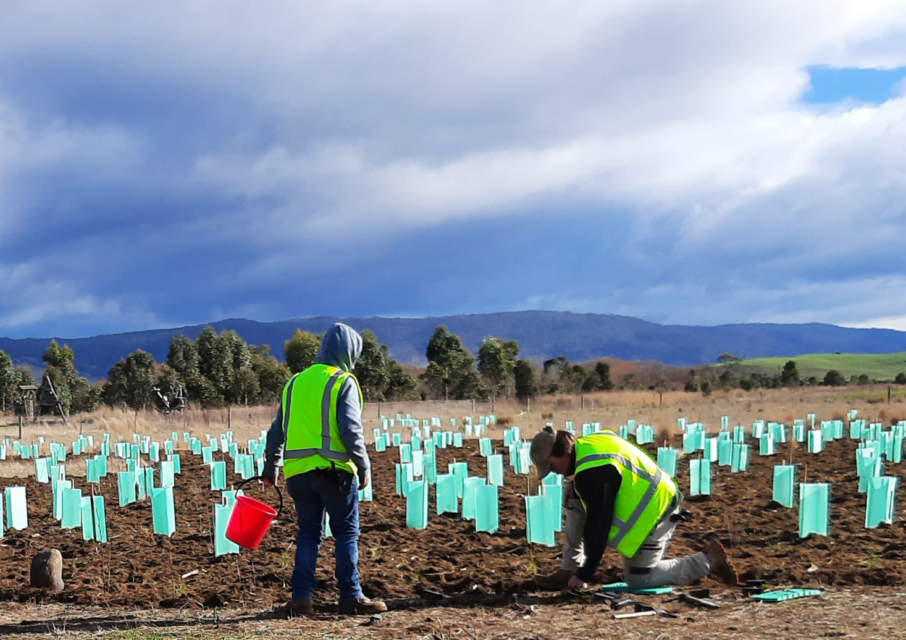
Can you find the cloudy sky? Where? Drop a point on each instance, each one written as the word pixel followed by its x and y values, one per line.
pixel 687 162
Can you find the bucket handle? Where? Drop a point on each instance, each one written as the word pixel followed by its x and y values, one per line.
pixel 279 493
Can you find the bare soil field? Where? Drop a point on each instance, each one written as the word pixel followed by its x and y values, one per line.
pixel 138 569
pixel 133 587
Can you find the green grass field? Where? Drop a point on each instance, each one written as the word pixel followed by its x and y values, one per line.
pixel 877 366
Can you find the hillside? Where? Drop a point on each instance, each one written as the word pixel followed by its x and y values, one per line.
pixel 884 366
pixel 541 335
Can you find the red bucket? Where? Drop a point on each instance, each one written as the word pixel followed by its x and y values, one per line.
pixel 250 520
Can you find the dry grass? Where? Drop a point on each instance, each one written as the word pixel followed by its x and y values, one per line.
pixel 610 408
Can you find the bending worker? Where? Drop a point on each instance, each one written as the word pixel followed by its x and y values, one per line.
pixel 625 502
pixel 325 463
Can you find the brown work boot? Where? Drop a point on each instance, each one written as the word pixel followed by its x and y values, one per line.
pixel 556 581
pixel 721 567
pixel 361 606
pixel 296 608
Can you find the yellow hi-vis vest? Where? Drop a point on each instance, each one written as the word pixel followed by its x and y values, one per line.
pixel 310 428
pixel 645 493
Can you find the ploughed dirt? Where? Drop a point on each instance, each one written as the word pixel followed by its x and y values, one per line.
pixel 140 569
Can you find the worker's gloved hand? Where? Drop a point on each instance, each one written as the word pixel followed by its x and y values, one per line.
pixel 576 584
pixel 570 491
pixel 269 476
pixel 364 482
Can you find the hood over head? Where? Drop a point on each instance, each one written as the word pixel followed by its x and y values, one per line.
pixel 340 347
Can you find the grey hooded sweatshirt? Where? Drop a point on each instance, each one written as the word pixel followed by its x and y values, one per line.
pixel 341 347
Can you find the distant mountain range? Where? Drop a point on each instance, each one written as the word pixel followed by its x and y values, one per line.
pixel 541 335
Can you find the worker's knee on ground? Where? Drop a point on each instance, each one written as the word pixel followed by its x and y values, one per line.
pixel 634 580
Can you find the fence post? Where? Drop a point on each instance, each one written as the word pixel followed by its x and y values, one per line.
pixel 20 427
pixel 583 401
pixel 230 417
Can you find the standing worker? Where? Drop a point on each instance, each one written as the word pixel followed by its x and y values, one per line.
pixel 319 428
pixel 625 502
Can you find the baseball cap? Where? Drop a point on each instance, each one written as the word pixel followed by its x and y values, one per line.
pixel 540 451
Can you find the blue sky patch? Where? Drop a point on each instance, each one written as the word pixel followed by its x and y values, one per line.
pixel 874 86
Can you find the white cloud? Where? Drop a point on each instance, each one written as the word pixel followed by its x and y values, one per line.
pixel 372 121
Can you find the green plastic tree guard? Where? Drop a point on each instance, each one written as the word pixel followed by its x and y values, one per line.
pixel 418 463
pixel 430 466
pixel 167 473
pixel 42 472
pixel 101 462
pixel 690 442
pixel 739 434
pixel 417 505
pixel 470 497
pixel 495 470
pixel 554 495
pixel 740 458
pixel 16 508
pixel 72 508
pixel 87 518
pixel 126 482
pixel 446 494
pixel 100 519
pixel 405 453
pixel 487 516
pixel 177 463
pixel 814 509
pixel 710 451
pixel 699 477
pixel 485 446
pixel 786 594
pixel 766 445
pixel 553 479
pixel 218 476
pixel 785 484
pixel 896 454
pixel 163 511
pixel 367 494
pixel 457 440
pixel 815 441
pixel 725 453
pixel 461 471
pixel 778 431
pixel 881 501
pixel 222 545
pixel 868 466
pixel 58 489
pixel 666 460
pixel 539 521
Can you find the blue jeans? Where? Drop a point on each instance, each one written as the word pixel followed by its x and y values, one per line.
pixel 313 492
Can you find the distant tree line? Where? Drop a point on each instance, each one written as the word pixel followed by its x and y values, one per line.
pixel 222 369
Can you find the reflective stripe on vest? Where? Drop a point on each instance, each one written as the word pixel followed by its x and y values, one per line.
pixel 644 510
pixel 325 449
